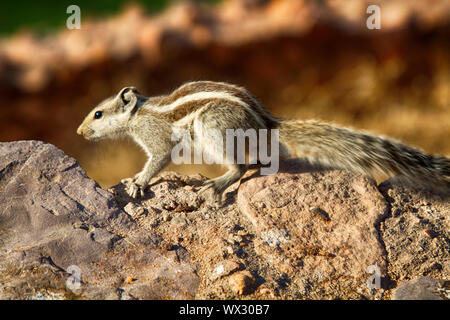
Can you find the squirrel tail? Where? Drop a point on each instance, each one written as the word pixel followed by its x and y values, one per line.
pixel 344 148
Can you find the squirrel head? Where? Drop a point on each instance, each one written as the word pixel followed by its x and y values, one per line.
pixel 109 118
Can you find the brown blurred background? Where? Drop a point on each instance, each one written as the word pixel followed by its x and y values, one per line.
pixel 302 59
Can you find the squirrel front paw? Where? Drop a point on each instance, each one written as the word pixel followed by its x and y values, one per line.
pixel 134 187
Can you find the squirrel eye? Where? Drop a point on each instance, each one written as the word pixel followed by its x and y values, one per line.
pixel 98 115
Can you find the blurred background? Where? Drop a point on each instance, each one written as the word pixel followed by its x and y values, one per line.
pixel 302 59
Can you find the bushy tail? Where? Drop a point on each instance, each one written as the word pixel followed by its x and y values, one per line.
pixel 348 149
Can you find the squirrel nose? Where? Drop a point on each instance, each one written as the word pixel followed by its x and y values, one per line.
pixel 80 131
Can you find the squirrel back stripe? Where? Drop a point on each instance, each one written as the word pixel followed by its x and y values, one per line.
pixel 200 90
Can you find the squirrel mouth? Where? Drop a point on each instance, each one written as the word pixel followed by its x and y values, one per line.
pixel 88 134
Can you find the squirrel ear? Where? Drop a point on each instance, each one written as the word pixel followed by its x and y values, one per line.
pixel 128 96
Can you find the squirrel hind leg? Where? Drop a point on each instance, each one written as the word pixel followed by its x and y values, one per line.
pixel 221 183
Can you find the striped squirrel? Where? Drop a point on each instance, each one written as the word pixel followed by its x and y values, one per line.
pixel 216 105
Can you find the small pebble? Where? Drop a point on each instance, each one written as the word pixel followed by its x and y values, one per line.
pixel 166 217
pixel 320 213
pixel 133 209
pixel 170 206
pixel 130 279
pixel 167 246
pixel 430 233
pixel 152 211
pixel 267 292
pixel 241 282
pixel 180 221
pixel 225 268
pixel 242 233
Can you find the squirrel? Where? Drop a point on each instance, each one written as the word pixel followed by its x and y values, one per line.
pixel 150 122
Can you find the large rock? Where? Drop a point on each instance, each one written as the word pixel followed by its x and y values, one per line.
pixel 54 220
pixel 303 233
pixel 318 228
pixel 423 288
pixel 416 232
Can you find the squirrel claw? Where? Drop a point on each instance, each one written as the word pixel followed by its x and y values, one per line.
pixel 217 191
pixel 206 186
pixel 134 190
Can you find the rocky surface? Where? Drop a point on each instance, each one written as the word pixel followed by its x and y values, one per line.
pixel 317 229
pixel 423 288
pixel 52 217
pixel 416 233
pixel 303 233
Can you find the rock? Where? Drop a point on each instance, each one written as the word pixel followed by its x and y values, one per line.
pixel 423 288
pixel 133 209
pixel 324 257
pixel 54 219
pixel 225 268
pixel 416 233
pixel 242 282
pixel 302 233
